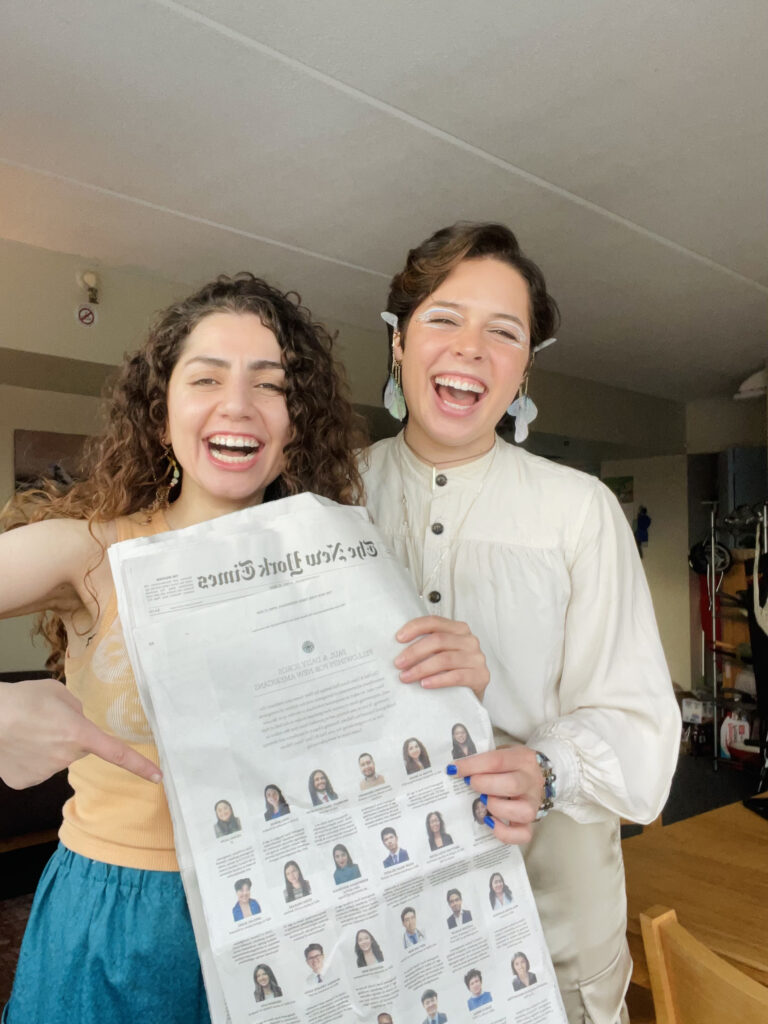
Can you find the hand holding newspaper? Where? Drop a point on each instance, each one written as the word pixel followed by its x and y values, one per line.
pixel 334 872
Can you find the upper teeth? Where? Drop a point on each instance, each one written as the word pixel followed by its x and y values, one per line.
pixel 234 441
pixel 461 384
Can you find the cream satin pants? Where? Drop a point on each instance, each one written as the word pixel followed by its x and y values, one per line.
pixel 577 875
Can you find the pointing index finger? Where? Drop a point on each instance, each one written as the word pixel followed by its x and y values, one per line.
pixel 113 750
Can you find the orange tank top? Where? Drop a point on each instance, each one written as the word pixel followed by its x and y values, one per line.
pixel 114 816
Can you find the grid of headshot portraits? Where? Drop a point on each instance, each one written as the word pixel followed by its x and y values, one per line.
pixel 326 963
pixel 364 849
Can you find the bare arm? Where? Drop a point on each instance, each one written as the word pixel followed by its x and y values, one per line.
pixel 44 566
pixel 42 726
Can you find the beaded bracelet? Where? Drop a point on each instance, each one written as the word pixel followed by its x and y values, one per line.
pixel 550 778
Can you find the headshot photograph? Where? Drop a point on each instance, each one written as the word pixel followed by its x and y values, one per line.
pixel 226 822
pixel 275 803
pixel 315 957
pixel 320 788
pixel 477 997
pixel 245 906
pixel 265 984
pixel 499 893
pixel 429 1002
pixel 367 950
pixel 523 976
pixel 345 869
pixel 458 916
pixel 412 934
pixel 384 1018
pixel 438 837
pixel 461 741
pixel 479 814
pixel 296 885
pixel 397 855
pixel 415 756
pixel 371 777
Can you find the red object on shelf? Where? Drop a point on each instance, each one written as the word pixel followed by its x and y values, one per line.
pixel 741 752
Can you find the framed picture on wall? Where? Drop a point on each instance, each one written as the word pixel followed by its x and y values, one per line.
pixel 43 453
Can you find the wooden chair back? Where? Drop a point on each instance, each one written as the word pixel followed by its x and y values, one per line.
pixel 690 983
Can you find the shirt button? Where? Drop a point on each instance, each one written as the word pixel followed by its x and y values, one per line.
pixel 434 596
pixel 437 528
pixel 441 479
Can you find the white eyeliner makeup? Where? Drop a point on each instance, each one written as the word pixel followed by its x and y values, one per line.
pixel 519 338
pixel 441 310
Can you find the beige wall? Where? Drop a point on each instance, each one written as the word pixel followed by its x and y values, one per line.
pixel 661 485
pixel 23 409
pixel 714 424
pixel 39 296
pixel 591 411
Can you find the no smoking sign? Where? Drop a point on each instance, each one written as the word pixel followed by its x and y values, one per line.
pixel 86 315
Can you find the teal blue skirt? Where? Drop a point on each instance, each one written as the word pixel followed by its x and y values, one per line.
pixel 107 945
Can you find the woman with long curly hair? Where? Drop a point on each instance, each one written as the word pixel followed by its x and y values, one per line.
pixel 415 756
pixel 234 399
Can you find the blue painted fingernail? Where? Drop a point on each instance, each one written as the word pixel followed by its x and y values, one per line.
pixel 467 779
pixel 451 770
pixel 489 821
pixel 484 799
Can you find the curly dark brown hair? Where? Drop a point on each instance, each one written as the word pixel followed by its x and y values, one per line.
pixel 126 470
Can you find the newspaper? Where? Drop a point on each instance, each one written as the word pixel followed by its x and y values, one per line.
pixel 334 871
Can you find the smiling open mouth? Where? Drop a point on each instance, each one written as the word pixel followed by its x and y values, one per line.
pixel 233 448
pixel 459 392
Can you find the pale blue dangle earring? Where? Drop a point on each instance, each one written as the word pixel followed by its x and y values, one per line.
pixel 394 399
pixel 524 408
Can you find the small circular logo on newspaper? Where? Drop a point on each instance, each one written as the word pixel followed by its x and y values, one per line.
pixel 307 647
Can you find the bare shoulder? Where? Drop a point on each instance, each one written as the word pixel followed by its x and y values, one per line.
pixel 65 534
pixel 45 564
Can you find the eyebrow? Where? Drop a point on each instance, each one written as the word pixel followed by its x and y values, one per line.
pixel 461 308
pixel 257 364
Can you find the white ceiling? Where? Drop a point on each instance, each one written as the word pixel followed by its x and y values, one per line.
pixel 625 143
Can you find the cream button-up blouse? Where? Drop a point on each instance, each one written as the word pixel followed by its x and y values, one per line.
pixel 539 560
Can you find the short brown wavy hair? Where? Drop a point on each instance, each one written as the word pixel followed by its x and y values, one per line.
pixel 428 265
pixel 125 469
